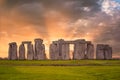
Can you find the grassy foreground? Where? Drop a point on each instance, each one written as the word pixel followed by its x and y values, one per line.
pixel 60 70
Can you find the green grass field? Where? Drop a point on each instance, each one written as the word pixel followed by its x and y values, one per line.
pixel 60 70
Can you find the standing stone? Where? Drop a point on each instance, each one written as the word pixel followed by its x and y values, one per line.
pixel 12 55
pixel 54 51
pixel 10 51
pixel 65 51
pixel 90 51
pixel 108 52
pixel 100 51
pixel 103 52
pixel 39 49
pixel 45 56
pixel 79 49
pixel 30 51
pixel 60 43
pixel 22 52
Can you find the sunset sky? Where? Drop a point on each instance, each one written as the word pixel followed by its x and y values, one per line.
pixel 25 20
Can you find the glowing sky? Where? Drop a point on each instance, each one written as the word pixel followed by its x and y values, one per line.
pixel 95 20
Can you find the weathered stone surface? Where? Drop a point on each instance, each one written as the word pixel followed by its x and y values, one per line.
pixel 54 51
pixel 26 42
pixel 22 52
pixel 59 50
pixel 90 51
pixel 12 54
pixel 39 49
pixel 60 43
pixel 65 52
pixel 100 51
pixel 79 49
pixel 30 51
pixel 108 52
pixel 103 52
pixel 51 51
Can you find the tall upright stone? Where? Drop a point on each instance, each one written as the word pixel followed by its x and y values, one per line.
pixel 22 52
pixel 108 52
pixel 51 51
pixel 100 51
pixel 60 43
pixel 79 49
pixel 90 51
pixel 12 54
pixel 10 51
pixel 54 51
pixel 65 51
pixel 39 49
pixel 30 51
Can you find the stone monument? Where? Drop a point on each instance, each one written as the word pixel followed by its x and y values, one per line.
pixel 12 54
pixel 39 50
pixel 22 52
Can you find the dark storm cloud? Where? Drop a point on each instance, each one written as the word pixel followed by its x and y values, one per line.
pixel 110 33
pixel 28 12
pixel 34 10
pixel 75 8
pixel 12 3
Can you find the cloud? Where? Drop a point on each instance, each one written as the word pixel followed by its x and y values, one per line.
pixel 95 20
pixel 110 7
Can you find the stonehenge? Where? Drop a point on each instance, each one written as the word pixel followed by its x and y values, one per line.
pixel 59 50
